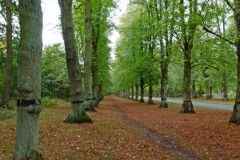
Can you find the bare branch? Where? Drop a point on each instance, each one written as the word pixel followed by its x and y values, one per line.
pixel 229 5
pixel 219 36
pixel 178 39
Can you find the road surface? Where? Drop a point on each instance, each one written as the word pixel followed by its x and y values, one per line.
pixel 199 104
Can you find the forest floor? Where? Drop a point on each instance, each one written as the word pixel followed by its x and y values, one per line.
pixel 126 130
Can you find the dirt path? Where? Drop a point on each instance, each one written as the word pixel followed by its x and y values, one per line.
pixel 156 137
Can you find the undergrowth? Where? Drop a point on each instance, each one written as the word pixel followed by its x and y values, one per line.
pixel 6 114
pixel 48 102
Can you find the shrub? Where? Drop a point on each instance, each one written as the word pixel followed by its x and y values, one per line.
pixel 6 114
pixel 48 102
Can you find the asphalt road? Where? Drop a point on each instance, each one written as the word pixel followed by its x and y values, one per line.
pixel 200 104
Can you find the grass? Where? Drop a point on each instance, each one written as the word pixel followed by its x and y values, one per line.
pixel 51 102
pixel 11 111
pixel 6 114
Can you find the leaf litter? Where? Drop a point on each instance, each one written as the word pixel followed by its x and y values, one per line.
pixel 112 136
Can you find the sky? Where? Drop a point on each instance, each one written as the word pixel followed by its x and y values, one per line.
pixel 51 22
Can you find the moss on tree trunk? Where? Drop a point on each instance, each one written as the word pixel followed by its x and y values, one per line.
pixel 77 114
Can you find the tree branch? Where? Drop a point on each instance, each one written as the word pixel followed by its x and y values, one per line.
pixel 219 36
pixel 178 39
pixel 229 5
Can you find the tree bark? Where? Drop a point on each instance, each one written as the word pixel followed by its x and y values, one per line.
pixel 207 90
pixel 188 31
pixel 136 91
pixel 210 92
pixel 77 114
pixel 141 89
pixel 187 106
pixel 89 103
pixel 128 93
pixel 150 89
pixel 132 92
pixel 224 85
pixel 95 43
pixel 29 81
pixel 164 80
pixel 200 91
pixel 235 118
pixel 194 93
pixel 9 62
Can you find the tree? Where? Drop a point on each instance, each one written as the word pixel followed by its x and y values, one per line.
pixel 54 72
pixel 9 64
pixel 101 26
pixel 135 56
pixel 100 58
pixel 77 114
pixel 187 34
pixel 89 101
pixel 165 36
pixel 235 118
pixel 235 9
pixel 29 81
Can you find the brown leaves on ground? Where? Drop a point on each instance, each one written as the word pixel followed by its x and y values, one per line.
pixel 206 133
pixel 109 137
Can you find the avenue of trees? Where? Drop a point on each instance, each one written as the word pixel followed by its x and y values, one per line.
pixel 81 72
pixel 179 48
pixel 166 48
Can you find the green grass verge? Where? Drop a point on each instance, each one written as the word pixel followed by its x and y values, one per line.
pixel 6 114
pixel 48 102
pixel 11 113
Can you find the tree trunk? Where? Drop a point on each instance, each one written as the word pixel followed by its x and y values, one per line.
pixel 100 92
pixel 210 91
pixel 150 89
pixel 187 106
pixel 124 94
pixel 89 103
pixel 142 89
pixel 164 80
pixel 207 90
pixel 224 85
pixel 194 93
pixel 77 114
pixel 9 62
pixel 200 91
pixel 129 93
pixel 95 86
pixel 136 91
pixel 95 42
pixel 29 81
pixel 235 118
pixel 132 96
